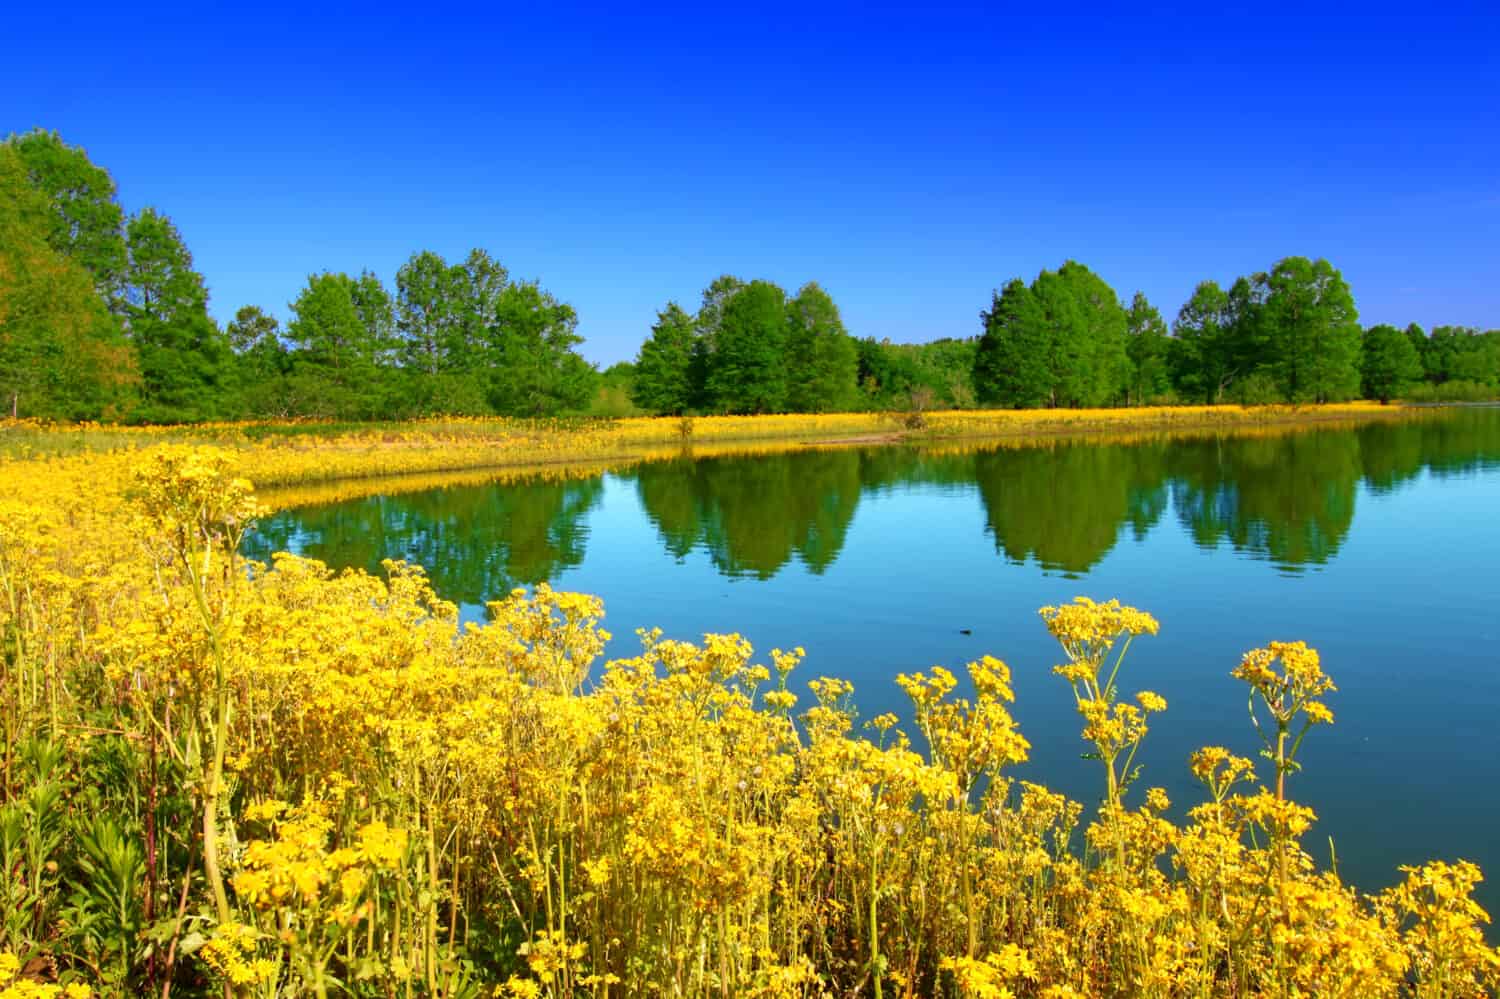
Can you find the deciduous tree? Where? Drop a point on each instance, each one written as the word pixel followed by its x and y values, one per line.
pixel 1146 345
pixel 61 353
pixel 1389 363
pixel 821 361
pixel 1313 330
pixel 746 368
pixel 85 222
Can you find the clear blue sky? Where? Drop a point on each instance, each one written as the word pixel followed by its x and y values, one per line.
pixel 910 161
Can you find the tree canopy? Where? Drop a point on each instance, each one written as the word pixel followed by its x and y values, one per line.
pixel 1389 362
pixel 61 353
pixel 749 349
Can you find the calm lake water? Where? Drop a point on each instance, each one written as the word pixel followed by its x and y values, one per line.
pixel 1378 545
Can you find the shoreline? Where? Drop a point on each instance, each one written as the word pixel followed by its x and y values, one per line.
pixel 485 449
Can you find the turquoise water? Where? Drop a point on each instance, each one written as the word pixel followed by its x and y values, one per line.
pixel 1379 546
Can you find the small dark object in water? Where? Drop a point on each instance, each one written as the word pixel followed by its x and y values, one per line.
pixel 966 631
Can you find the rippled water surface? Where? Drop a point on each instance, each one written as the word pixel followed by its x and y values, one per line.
pixel 1378 545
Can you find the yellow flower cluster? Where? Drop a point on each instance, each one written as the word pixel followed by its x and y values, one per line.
pixel 1293 687
pixel 359 795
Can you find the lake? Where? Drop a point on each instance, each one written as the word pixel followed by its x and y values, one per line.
pixel 1378 545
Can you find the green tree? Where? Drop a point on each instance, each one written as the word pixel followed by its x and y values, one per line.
pixel 251 327
pixel 1313 330
pixel 535 371
pixel 1443 347
pixel 821 361
pixel 747 370
pixel 1099 330
pixel 86 223
pixel 1146 344
pixel 946 366
pixel 428 313
pixel 377 314
pixel 444 317
pixel 260 362
pixel 1389 363
pixel 1011 361
pixel 184 357
pixel 885 372
pixel 664 367
pixel 1067 350
pixel 1248 336
pixel 1418 338
pixel 61 353
pixel 328 331
pixel 709 318
pixel 1199 356
pixel 1470 355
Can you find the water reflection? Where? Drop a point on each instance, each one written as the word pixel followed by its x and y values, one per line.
pixel 1064 505
pixel 476 542
pixel 1288 498
pixel 753 514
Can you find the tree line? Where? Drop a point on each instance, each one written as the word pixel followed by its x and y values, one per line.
pixel 1065 339
pixel 750 348
pixel 1290 334
pixel 105 316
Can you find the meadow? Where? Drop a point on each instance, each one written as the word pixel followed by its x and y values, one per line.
pixel 229 778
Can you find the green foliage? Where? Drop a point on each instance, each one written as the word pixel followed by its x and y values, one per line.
pixel 1147 344
pixel 1059 342
pixel 328 331
pixel 1257 388
pixel 1452 391
pixel 85 222
pixel 749 350
pixel 1011 364
pixel 260 362
pixel 62 354
pixel 92 306
pixel 746 365
pixel 1389 363
pixel 460 339
pixel 532 369
pixel 1313 331
pixel 444 312
pixel 1461 353
pixel 664 370
pixel 1100 333
pixel 917 376
pixel 1199 357
pixel 104 317
pixel 615 392
pixel 106 914
pixel 184 358
pixel 32 833
pixel 821 361
pixel 1295 328
pixel 252 329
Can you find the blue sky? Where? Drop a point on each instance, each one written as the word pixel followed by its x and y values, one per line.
pixel 909 160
